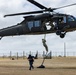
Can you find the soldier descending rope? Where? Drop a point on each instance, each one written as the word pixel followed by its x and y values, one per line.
pixel 44 43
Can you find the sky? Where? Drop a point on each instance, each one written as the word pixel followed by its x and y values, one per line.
pixel 33 43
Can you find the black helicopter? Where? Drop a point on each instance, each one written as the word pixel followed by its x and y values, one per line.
pixel 46 21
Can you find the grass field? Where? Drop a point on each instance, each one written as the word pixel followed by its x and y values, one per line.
pixel 54 66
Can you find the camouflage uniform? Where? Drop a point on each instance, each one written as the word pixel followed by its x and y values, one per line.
pixel 44 44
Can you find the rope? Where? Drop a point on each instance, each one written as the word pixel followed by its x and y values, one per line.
pixel 45 36
pixel 46 47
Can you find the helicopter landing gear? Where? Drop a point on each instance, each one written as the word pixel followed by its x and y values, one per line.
pixel 60 33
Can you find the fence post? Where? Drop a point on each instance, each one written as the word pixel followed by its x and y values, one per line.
pixel 17 55
pixel 3 56
pixel 36 56
pixel 10 54
pixel 23 55
pixel 50 55
pixel 29 52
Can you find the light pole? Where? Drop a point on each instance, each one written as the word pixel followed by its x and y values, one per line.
pixel 64 49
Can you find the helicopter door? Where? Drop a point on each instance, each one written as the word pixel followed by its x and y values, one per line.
pixel 62 22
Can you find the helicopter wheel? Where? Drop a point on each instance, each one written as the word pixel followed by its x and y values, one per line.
pixel 58 32
pixel 62 35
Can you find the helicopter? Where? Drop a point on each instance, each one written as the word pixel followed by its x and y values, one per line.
pixel 43 21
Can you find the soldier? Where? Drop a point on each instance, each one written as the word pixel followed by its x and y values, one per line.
pixel 31 60
pixel 44 44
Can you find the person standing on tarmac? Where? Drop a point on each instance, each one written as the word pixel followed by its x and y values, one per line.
pixel 31 60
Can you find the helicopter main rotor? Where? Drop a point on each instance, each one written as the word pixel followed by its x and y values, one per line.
pixel 37 4
pixel 44 9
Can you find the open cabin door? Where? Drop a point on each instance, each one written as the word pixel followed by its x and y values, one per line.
pixel 62 22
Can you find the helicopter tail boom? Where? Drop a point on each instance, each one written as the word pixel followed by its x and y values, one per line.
pixel 11 31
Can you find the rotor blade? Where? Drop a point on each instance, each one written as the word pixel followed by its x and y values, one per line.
pixel 37 4
pixel 64 6
pixel 24 13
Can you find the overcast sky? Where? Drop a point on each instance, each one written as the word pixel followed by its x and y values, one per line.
pixel 34 42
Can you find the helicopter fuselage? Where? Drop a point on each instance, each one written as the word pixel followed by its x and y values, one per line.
pixel 42 24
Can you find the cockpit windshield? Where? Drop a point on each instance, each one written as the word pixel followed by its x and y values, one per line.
pixel 71 18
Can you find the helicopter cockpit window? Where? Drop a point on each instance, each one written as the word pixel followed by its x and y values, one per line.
pixel 70 18
pixel 30 24
pixel 37 23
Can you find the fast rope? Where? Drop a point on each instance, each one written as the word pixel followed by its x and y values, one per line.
pixel 46 48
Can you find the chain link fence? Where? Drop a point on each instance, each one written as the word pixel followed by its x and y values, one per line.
pixel 24 55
